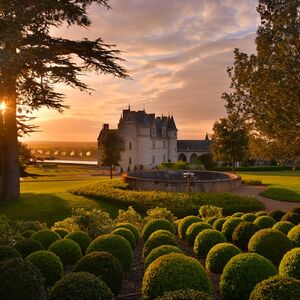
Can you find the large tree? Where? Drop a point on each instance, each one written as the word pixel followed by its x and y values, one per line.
pixel 266 85
pixel 32 63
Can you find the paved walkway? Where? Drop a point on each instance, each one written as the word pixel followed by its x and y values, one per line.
pixel 270 204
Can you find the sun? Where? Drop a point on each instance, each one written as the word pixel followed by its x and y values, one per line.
pixel 3 106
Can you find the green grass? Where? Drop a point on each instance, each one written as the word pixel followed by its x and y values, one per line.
pixel 282 185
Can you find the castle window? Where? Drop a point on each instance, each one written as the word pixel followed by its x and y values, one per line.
pixel 153 159
pixel 164 133
pixel 130 160
pixel 164 158
pixel 153 144
pixel 130 146
pixel 153 131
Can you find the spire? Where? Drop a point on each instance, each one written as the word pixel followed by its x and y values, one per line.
pixel 206 137
pixel 129 107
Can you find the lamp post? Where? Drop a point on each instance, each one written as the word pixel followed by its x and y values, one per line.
pixel 188 175
pixel 2 123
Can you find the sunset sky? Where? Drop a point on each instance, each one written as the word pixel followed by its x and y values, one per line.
pixel 177 52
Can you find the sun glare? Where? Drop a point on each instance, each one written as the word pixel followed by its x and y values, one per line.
pixel 3 106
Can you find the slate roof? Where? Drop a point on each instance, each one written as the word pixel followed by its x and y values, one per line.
pixel 193 145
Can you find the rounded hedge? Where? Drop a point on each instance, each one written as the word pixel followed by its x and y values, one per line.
pixel 185 223
pixel 283 226
pixel 270 243
pixel 219 223
pixel 103 265
pixel 194 230
pixel 81 238
pixel 291 217
pixel 131 227
pixel 67 250
pixel 276 214
pixel 295 209
pixel 237 215
pixel 46 237
pixel 242 273
pixel 20 280
pixel 49 264
pixel 264 221
pixel 156 224
pixel 127 234
pixel 115 245
pixel 229 226
pixel 28 246
pixel 242 234
pixel 27 234
pixel 294 235
pixel 7 252
pixel 172 272
pixel 249 217
pixel 185 295
pixel 276 288
pixel 290 264
pixel 159 238
pixel 61 232
pixel 80 285
pixel 219 255
pixel 176 224
pixel 206 239
pixel 211 220
pixel 159 251
pixel 261 213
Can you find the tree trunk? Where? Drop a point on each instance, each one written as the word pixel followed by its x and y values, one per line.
pixel 111 172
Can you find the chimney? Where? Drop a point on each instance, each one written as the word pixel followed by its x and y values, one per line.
pixel 105 127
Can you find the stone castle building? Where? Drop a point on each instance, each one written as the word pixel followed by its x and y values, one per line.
pixel 151 140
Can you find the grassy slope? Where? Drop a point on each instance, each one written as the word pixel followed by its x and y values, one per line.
pixel 283 185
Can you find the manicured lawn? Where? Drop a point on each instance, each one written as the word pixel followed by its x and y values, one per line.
pixel 282 185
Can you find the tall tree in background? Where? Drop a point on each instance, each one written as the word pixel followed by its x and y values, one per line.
pixel 230 139
pixel 32 62
pixel 266 85
pixel 111 146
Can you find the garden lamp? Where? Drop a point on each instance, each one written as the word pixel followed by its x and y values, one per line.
pixel 188 175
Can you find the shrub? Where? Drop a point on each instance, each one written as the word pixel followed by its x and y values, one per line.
pixel 206 239
pixel 7 252
pixel 160 213
pixel 159 238
pixel 184 295
pixel 67 250
pixel 211 220
pixel 294 235
pixel 45 237
pixel 115 245
pixel 291 217
pixel 27 234
pixel 49 264
pixel 290 264
pixel 193 231
pixel 81 238
pixel 219 255
pixel 130 216
pixel 264 222
pixel 176 224
pixel 174 272
pixel 261 213
pixel 229 226
pixel 20 280
pixel 127 234
pixel 276 288
pixel 295 209
pixel 276 214
pixel 237 215
pixel 157 224
pixel 283 226
pixel 242 273
pixel 219 223
pixel 185 223
pixel 242 234
pixel 81 285
pixel 270 243
pixel 62 232
pixel 30 225
pixel 249 217
pixel 27 247
pixel 103 265
pixel 209 211
pixel 158 252
pixel 131 227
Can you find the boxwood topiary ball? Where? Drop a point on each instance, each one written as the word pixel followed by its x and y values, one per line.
pixel 68 251
pixel 28 246
pixel 158 252
pixel 80 285
pixel 20 280
pixel 61 232
pixel 264 222
pixel 219 255
pixel 81 238
pixel 294 235
pixel 176 224
pixel 237 214
pixel 290 264
pixel 193 231
pixel 211 220
pixel 229 226
pixel 219 223
pixel 127 234
pixel 185 295
pixel 276 214
pixel 46 237
pixel 115 245
pixel 283 226
pixel 7 252
pixel 156 224
pixel 49 264
pixel 276 288
pixel 131 227
pixel 242 273
pixel 27 234
pixel 159 238
pixel 185 223
pixel 295 209
pixel 242 234
pixel 261 213
pixel 249 217
pixel 103 265
pixel 270 243
pixel 291 217
pixel 172 272
pixel 206 239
